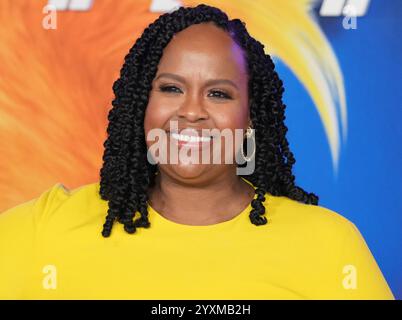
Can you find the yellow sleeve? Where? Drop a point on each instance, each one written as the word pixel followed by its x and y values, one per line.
pixel 361 277
pixel 19 227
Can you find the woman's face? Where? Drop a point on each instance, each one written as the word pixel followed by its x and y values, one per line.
pixel 186 90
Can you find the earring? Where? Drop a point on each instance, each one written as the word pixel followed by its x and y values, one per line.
pixel 249 134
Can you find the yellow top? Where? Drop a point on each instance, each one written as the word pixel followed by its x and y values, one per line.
pixel 52 248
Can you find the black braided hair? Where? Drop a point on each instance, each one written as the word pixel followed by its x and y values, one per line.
pixel 126 174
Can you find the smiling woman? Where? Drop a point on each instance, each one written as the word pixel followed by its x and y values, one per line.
pixel 185 230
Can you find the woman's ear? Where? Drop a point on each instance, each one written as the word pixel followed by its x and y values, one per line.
pixel 250 123
pixel 250 101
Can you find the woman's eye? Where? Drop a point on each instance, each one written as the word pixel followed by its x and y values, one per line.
pixel 169 89
pixel 220 94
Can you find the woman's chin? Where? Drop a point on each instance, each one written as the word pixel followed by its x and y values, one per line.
pixel 189 171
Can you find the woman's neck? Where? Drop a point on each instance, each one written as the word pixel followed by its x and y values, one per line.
pixel 219 200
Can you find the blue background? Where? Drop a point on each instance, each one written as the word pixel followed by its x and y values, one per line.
pixel 367 187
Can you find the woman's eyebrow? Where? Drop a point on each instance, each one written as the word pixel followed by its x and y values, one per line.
pixel 207 83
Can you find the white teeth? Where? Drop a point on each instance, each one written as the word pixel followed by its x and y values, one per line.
pixel 183 137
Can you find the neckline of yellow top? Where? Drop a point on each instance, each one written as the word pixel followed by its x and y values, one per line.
pixel 160 218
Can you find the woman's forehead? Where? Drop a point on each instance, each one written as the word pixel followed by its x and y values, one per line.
pixel 203 47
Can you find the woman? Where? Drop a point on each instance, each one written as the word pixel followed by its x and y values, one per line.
pixel 176 230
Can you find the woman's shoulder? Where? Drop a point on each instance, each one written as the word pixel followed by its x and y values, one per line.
pixel 281 210
pixel 330 241
pixel 54 204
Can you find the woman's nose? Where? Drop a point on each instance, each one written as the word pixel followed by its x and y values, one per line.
pixel 193 109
